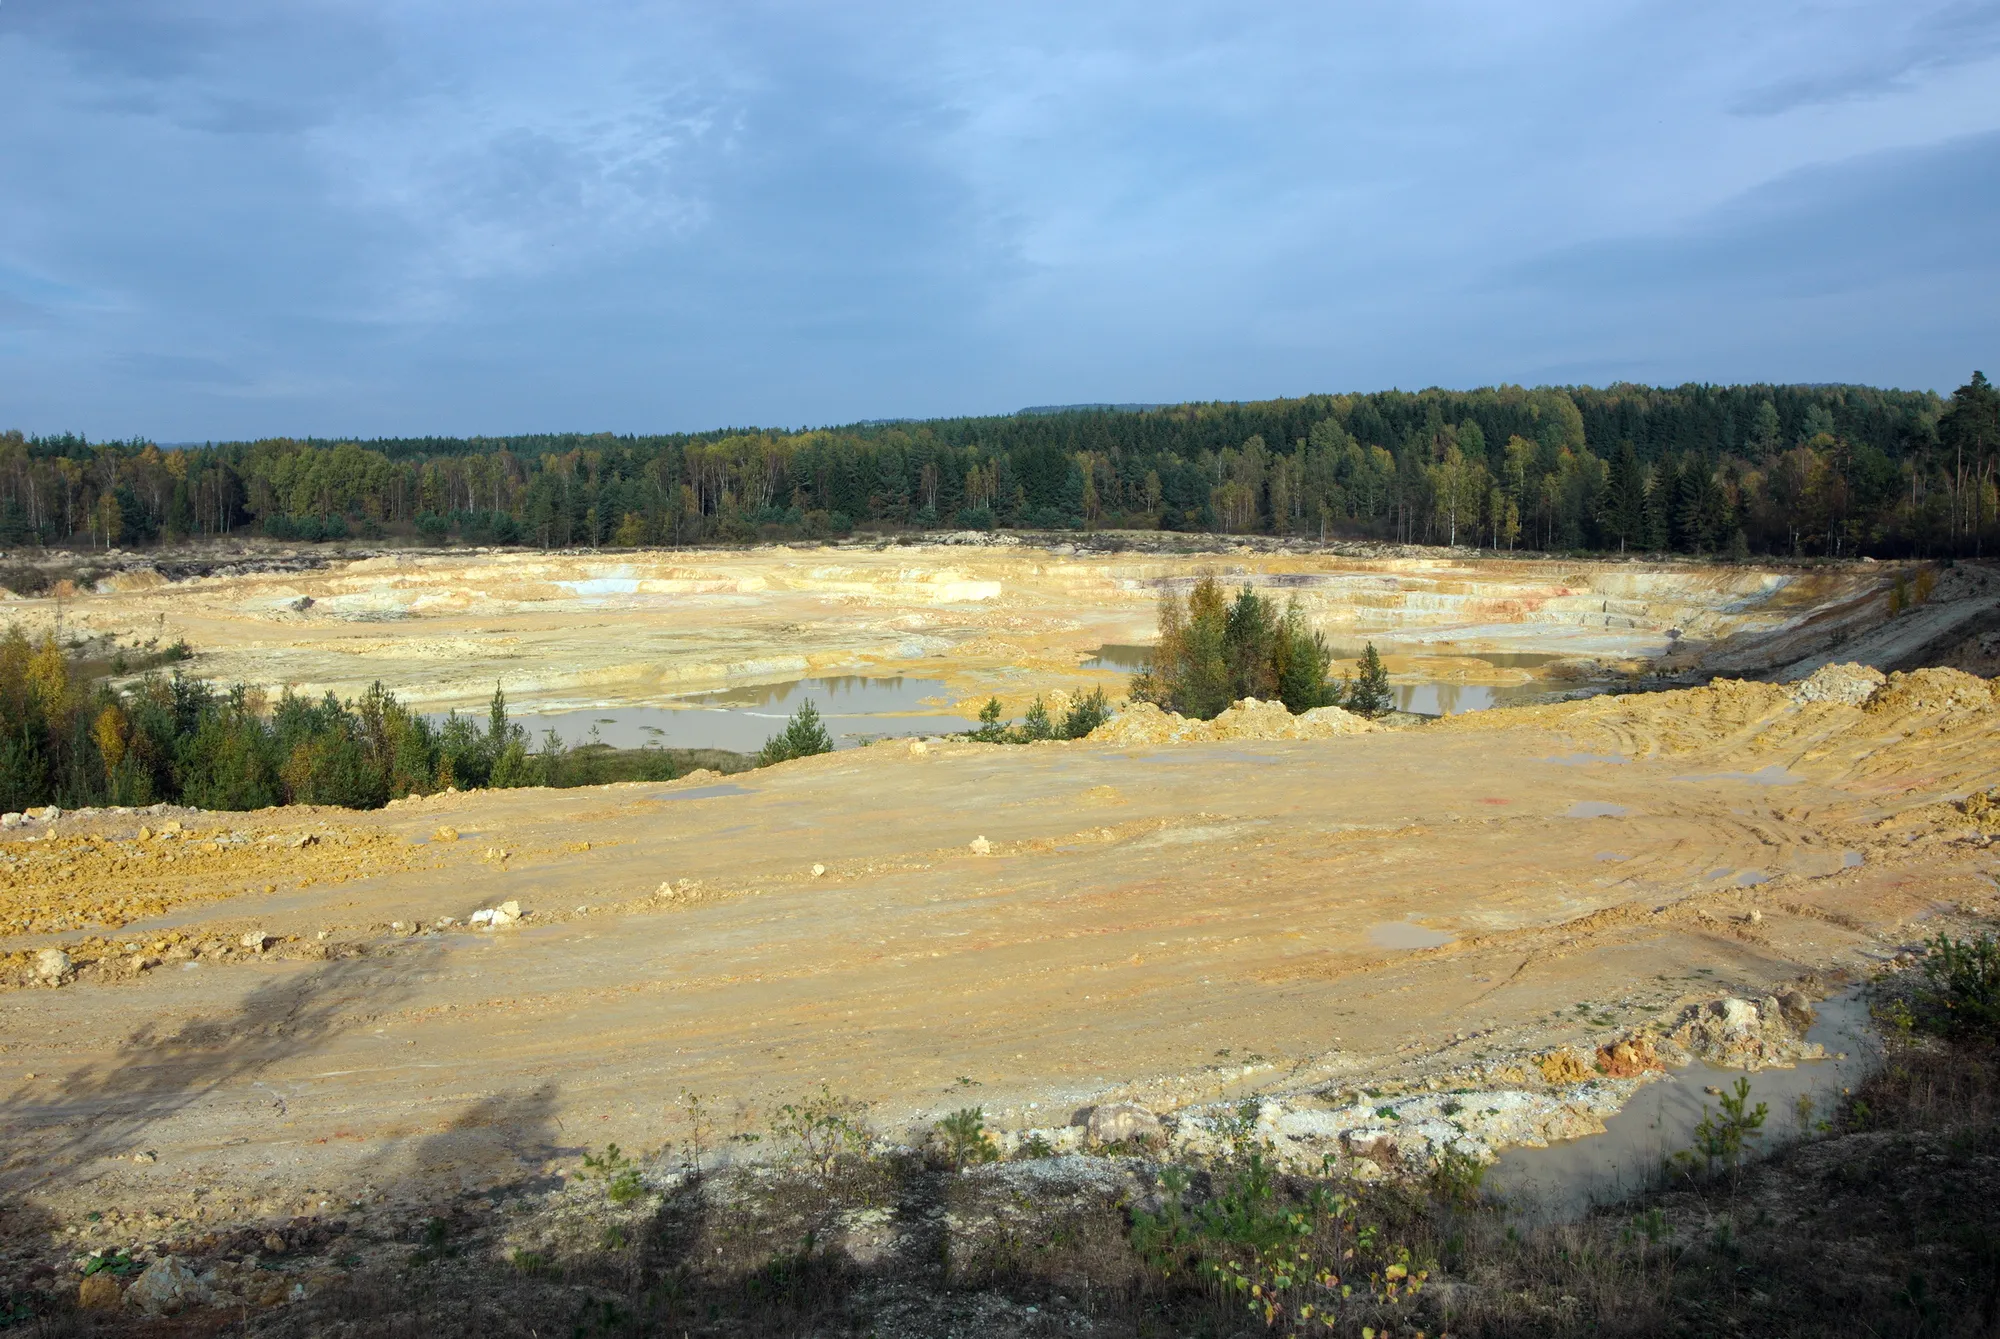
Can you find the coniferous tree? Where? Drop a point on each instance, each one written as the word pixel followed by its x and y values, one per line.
pixel 1371 694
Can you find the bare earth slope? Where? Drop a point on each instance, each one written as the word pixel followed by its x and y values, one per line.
pixel 1032 928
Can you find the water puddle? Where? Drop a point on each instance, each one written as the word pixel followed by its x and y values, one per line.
pixel 1750 878
pixel 1597 809
pixel 1774 775
pixel 1566 1179
pixel 1852 860
pixel 1585 759
pixel 1404 934
pixel 855 709
pixel 704 792
pixel 1117 656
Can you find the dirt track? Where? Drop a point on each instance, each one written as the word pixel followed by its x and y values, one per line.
pixel 1169 923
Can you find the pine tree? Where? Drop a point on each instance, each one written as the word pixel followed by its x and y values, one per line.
pixel 803 736
pixel 1371 694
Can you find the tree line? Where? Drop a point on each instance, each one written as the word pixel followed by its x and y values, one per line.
pixel 1784 470
pixel 71 739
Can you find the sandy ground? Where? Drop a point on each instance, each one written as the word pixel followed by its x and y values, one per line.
pixel 563 631
pixel 1031 929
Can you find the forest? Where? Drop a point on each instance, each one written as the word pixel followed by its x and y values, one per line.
pixel 1792 471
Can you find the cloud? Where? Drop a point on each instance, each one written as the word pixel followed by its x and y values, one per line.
pixel 1907 44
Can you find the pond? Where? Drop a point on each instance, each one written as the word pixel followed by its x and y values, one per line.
pixel 855 708
pixel 1567 1178
pixel 1418 699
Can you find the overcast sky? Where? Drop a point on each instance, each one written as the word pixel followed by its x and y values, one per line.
pixel 229 218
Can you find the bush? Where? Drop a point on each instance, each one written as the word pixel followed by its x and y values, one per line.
pixel 1213 652
pixel 1961 993
pixel 803 736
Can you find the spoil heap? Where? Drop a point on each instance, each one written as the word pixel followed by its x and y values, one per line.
pixel 1249 719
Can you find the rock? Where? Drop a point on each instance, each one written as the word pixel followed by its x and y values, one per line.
pixel 980 846
pixel 1124 1123
pixel 1738 1017
pixel 1628 1059
pixel 445 834
pixel 52 964
pixel 274 1243
pixel 818 870
pixel 10 820
pixel 99 1292
pixel 165 1289
pixel 1849 685
pixel 1249 719
pixel 511 910
pixel 256 940
pixel 305 840
pixel 1564 1066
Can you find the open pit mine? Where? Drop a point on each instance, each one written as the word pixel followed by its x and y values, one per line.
pixel 1695 803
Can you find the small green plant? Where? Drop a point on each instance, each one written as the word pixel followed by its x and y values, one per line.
pixel 803 736
pixel 700 1125
pixel 532 1263
pixel 1722 1136
pixel 1455 1177
pixel 618 1172
pixel 1086 714
pixel 964 1138
pixel 823 1131
pixel 1035 1146
pixel 990 730
pixel 1961 998
pixel 612 1239
pixel 1035 725
pixel 110 1260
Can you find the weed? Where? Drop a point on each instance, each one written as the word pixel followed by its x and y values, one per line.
pixel 619 1173
pixel 112 1260
pixel 823 1131
pixel 700 1126
pixel 1455 1177
pixel 1035 1146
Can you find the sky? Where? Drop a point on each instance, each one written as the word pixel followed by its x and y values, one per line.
pixel 232 218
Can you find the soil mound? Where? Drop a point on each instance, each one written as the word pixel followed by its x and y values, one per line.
pixel 1249 719
pixel 1850 685
pixel 1933 690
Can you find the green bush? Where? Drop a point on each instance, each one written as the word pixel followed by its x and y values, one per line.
pixel 803 736
pixel 1961 994
pixel 1213 652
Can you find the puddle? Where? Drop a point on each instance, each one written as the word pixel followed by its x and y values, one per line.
pixel 703 792
pixel 1750 878
pixel 1115 656
pixel 1565 1179
pixel 1774 775
pixel 1852 860
pixel 1404 934
pixel 854 708
pixel 1597 809
pixel 1584 759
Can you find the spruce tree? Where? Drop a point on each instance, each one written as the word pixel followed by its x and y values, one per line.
pixel 803 736
pixel 1371 694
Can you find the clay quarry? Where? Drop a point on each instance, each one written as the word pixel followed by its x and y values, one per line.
pixel 1698 802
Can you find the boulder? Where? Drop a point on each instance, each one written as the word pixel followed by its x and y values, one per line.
pixel 1124 1123
pixel 99 1292
pixel 165 1289
pixel 52 965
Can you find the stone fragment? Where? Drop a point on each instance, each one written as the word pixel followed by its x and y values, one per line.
pixel 99 1292
pixel 165 1289
pixel 1124 1123
pixel 818 870
pixel 445 833
pixel 257 940
pixel 980 846
pixel 52 964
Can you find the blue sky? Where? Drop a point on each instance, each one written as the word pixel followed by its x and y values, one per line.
pixel 230 218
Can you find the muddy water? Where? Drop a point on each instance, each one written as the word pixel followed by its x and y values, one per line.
pixel 1417 699
pixel 856 710
pixel 1565 1179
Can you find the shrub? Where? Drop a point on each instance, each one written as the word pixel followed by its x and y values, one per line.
pixel 1371 695
pixel 822 1131
pixel 1961 994
pixel 963 1135
pixel 803 736
pixel 1213 652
